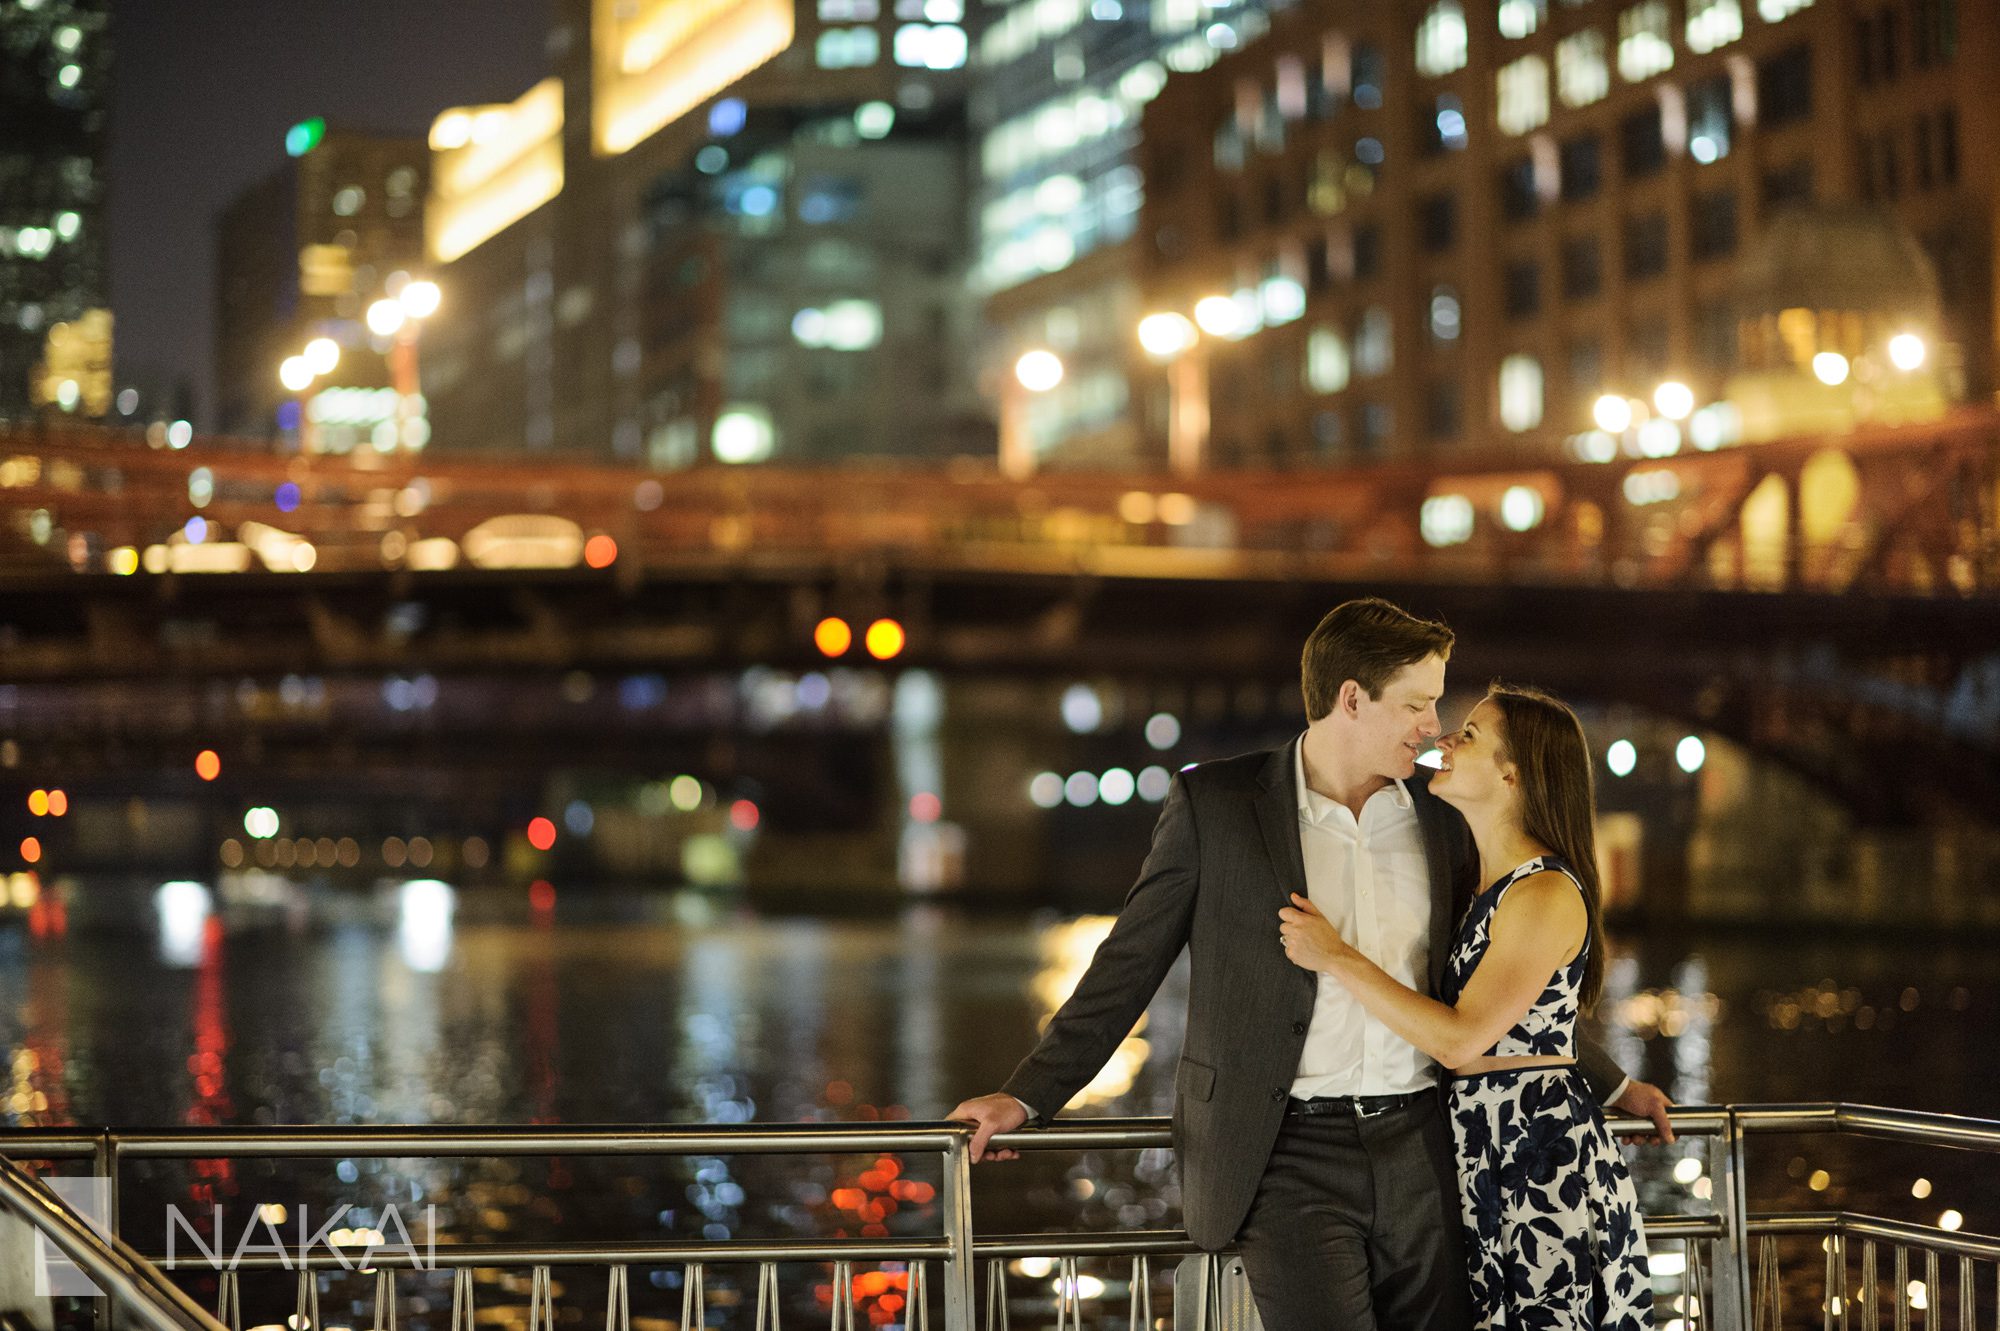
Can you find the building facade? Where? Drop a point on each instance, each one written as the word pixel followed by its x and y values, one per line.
pixel 1424 229
pixel 1060 91
pixel 303 254
pixel 55 321
pixel 740 237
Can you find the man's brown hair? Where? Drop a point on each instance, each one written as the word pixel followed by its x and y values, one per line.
pixel 1366 640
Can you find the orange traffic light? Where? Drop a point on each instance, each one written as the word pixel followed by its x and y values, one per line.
pixel 885 639
pixel 833 637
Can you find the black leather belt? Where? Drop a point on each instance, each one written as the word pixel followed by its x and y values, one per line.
pixel 1360 1106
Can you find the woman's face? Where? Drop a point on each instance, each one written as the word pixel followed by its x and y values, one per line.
pixel 1475 771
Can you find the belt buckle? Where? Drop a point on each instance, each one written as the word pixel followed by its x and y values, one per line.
pixel 1361 1109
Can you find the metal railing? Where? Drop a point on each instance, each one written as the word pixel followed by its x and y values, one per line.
pixel 1719 1269
pixel 128 1280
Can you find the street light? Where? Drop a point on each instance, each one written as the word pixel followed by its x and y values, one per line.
pixel 1039 370
pixel 1906 351
pixel 1166 335
pixel 420 299
pixel 1612 413
pixel 295 374
pixel 1218 316
pixel 1035 371
pixel 386 317
pixel 1830 368
pixel 1674 399
pixel 322 355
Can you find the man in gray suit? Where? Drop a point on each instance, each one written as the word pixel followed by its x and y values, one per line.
pixel 1307 1133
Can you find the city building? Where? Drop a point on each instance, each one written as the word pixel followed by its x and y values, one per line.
pixel 303 255
pixel 722 231
pixel 1060 89
pixel 1388 231
pixel 55 324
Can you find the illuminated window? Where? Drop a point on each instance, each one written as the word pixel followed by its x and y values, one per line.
pixel 848 48
pixel 849 11
pixel 1374 349
pixel 348 201
pixel 1441 39
pixel 1582 74
pixel 1708 119
pixel 1520 393
pixel 930 46
pixel 1712 24
pixel 1519 18
pixel 1645 41
pixel 1775 11
pixel 1445 315
pixel 1326 360
pixel 845 325
pixel 1524 95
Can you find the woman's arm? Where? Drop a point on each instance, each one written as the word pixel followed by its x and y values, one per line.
pixel 1536 928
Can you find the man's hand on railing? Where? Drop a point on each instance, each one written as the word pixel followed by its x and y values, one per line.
pixel 989 1114
pixel 1642 1099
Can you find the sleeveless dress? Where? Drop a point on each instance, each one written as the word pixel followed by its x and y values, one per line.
pixel 1552 1226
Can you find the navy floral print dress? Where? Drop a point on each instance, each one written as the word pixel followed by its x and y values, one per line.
pixel 1552 1228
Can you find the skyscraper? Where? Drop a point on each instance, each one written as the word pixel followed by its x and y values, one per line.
pixel 303 254
pixel 718 232
pixel 1060 88
pixel 55 62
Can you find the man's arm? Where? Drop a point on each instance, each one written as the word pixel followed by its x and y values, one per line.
pixel 1151 929
pixel 1615 1088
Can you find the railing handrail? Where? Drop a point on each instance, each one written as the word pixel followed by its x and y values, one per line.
pixel 415 1139
pixel 106 1260
pixel 1859 1224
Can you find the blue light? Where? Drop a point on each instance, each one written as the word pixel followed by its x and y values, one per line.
pixel 287 497
pixel 288 415
pixel 1451 128
pixel 197 531
pixel 758 201
pixel 1369 151
pixel 727 117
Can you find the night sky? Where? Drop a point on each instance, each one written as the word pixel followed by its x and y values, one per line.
pixel 203 93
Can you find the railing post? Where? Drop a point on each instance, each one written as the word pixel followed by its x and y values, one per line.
pixel 1729 1284
pixel 957 1196
pixel 105 1310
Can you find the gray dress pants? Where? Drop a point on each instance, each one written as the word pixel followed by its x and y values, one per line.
pixel 1356 1225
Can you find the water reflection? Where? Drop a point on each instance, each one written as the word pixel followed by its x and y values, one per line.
pixel 258 1006
pixel 423 930
pixel 183 912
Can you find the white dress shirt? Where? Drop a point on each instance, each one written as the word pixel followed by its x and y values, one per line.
pixel 1368 877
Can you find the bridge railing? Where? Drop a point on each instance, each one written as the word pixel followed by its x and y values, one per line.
pixel 1904 509
pixel 1727 1267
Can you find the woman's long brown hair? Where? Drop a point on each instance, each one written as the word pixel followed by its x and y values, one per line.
pixel 1544 740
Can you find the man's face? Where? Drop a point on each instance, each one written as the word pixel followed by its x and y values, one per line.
pixel 1394 728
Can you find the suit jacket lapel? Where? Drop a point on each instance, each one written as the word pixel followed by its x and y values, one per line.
pixel 1278 819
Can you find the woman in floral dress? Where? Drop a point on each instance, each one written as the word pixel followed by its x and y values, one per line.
pixel 1553 1233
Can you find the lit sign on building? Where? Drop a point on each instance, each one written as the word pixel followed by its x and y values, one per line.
pixel 669 56
pixel 492 166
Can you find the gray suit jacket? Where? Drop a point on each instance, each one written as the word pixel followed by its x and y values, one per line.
pixel 1225 857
